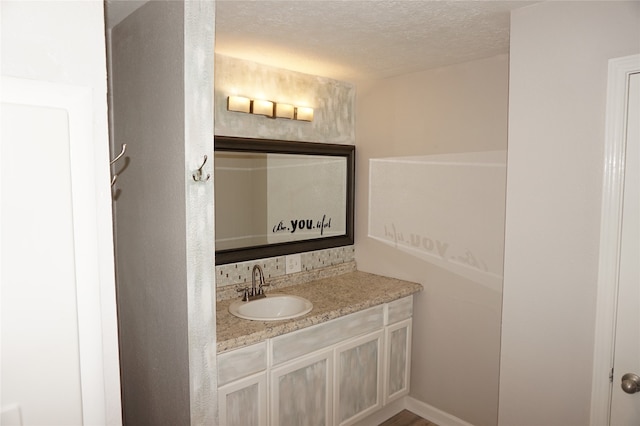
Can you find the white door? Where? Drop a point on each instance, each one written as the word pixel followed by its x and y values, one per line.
pixel 625 398
pixel 52 348
pixel 59 347
pixel 39 310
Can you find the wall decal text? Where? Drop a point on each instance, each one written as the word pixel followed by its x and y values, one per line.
pixel 300 224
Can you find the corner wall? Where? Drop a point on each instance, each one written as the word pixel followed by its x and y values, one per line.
pixel 150 256
pixel 558 78
pixel 162 85
pixel 460 113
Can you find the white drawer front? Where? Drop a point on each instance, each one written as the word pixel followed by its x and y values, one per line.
pixel 298 343
pixel 241 362
pixel 400 309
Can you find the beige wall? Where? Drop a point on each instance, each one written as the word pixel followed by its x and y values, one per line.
pixel 457 109
pixel 558 75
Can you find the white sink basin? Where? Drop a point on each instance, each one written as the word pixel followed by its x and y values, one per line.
pixel 271 308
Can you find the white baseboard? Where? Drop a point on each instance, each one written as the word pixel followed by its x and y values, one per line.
pixel 420 408
pixel 432 414
pixel 383 414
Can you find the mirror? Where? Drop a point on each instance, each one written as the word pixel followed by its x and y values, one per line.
pixel 275 197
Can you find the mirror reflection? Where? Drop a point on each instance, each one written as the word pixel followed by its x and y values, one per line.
pixel 306 198
pixel 281 197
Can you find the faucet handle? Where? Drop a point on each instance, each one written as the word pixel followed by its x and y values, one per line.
pixel 260 289
pixel 245 293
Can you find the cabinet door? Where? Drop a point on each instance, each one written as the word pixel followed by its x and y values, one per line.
pixel 358 378
pixel 244 402
pixel 301 391
pixel 398 360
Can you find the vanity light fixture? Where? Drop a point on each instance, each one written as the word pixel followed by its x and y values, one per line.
pixel 239 104
pixel 304 113
pixel 285 111
pixel 261 107
pixel 269 109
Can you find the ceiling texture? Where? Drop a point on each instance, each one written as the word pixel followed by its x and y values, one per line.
pixel 355 40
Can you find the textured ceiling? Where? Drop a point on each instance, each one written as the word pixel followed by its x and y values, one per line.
pixel 355 40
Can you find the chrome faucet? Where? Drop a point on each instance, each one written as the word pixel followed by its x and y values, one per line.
pixel 254 292
pixel 257 291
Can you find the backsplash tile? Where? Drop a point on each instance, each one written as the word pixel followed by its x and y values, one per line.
pixel 237 273
pixel 229 276
pixel 329 257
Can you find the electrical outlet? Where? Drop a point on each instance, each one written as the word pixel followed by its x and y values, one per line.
pixel 294 264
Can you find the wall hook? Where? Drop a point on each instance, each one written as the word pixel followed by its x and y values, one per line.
pixel 197 176
pixel 122 151
pixel 115 177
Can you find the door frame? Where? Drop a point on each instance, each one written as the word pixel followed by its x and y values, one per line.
pixel 619 73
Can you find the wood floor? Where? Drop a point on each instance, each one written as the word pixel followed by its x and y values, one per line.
pixel 407 418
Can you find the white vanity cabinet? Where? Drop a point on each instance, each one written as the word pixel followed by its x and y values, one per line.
pixel 242 391
pixel 331 374
pixel 336 342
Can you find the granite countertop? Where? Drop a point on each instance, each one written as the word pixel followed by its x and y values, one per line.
pixel 331 297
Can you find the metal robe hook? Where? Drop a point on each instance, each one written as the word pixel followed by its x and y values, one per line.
pixel 115 177
pixel 197 176
pixel 124 148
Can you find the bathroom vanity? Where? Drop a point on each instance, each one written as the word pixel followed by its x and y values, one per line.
pixel 335 365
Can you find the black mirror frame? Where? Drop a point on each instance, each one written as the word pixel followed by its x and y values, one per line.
pixel 238 144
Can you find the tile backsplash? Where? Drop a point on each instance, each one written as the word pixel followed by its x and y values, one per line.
pixel 274 267
pixel 238 273
pixel 329 257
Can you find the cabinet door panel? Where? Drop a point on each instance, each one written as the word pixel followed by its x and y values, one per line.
pixel 398 360
pixel 243 403
pixel 358 378
pixel 301 392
